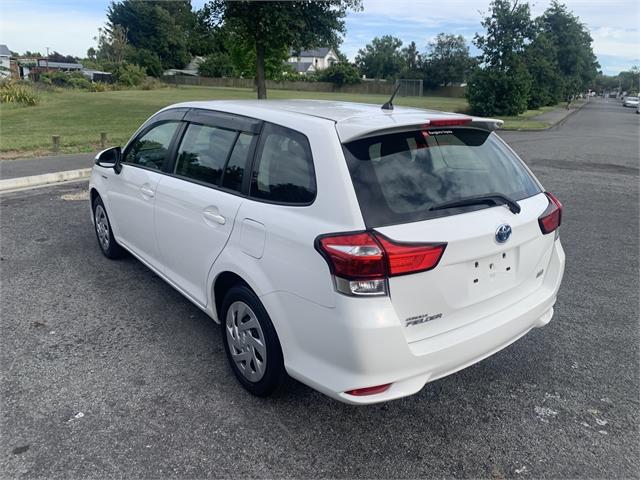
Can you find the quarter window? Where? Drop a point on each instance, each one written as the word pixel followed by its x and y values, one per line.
pixel 150 149
pixel 203 153
pixel 284 172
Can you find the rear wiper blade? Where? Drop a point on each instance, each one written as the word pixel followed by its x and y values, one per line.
pixel 488 199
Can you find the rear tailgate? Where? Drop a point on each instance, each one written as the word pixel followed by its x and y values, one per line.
pixel 476 276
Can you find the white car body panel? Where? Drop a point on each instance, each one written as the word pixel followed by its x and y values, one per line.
pixel 131 198
pixel 330 341
pixel 193 223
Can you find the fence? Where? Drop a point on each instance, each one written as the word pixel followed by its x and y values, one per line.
pixel 371 87
pixel 368 87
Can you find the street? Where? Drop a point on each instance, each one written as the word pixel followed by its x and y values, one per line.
pixel 106 371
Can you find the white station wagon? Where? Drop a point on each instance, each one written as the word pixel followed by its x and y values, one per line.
pixel 362 251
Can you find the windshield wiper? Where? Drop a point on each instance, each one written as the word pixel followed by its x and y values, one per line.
pixel 488 199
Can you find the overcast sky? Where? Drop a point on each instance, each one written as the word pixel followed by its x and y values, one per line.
pixel 69 26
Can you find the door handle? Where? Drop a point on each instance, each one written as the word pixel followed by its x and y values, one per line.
pixel 147 190
pixel 214 216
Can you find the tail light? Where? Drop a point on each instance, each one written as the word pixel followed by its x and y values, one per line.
pixel 551 218
pixel 361 262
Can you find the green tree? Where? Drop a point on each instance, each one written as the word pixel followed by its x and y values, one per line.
pixel 112 44
pixel 216 65
pixel 606 83
pixel 503 83
pixel 447 60
pixel 158 26
pixel 411 61
pixel 575 58
pixel 629 80
pixel 492 92
pixel 546 80
pixel 146 59
pixel 382 58
pixel 269 28
pixel 58 57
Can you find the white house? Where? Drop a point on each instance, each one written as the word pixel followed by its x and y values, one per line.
pixel 5 61
pixel 309 61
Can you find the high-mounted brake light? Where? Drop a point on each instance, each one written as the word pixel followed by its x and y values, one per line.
pixel 449 122
pixel 551 218
pixel 361 262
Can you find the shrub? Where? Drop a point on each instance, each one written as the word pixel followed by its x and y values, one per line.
pixel 216 65
pixel 341 73
pixel 80 82
pixel 146 59
pixel 101 87
pixel 151 83
pixel 58 79
pixel 12 91
pixel 129 75
pixel 66 80
pixel 495 92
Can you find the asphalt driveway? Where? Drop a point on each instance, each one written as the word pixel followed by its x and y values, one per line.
pixel 106 371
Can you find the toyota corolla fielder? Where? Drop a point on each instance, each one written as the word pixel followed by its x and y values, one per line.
pixel 362 251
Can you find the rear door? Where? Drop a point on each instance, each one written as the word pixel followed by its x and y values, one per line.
pixel 493 257
pixel 197 201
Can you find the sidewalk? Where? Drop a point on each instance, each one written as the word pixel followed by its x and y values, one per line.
pixel 559 114
pixel 35 172
pixel 41 165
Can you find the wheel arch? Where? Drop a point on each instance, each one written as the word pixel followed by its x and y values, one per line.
pixel 93 194
pixel 222 283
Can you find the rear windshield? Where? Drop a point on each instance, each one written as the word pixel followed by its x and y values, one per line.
pixel 399 177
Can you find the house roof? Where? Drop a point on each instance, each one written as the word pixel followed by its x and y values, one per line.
pixel 42 62
pixel 4 51
pixel 301 67
pixel 316 52
pixel 352 120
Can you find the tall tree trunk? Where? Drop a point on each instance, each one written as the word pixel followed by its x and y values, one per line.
pixel 260 80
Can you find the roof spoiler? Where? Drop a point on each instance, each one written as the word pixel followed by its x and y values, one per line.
pixel 356 128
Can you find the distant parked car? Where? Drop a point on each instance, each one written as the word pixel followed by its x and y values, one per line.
pixel 630 102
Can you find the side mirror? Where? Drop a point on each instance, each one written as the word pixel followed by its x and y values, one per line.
pixel 110 158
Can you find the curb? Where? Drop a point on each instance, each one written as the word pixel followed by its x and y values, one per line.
pixel 44 179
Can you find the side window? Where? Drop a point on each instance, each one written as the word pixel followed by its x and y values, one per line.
pixel 284 171
pixel 203 153
pixel 234 172
pixel 151 149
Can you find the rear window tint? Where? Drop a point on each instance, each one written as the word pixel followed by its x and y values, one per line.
pixel 284 171
pixel 399 177
pixel 203 153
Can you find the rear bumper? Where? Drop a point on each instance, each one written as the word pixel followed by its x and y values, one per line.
pixel 361 342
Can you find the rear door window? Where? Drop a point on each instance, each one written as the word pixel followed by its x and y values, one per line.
pixel 234 171
pixel 204 152
pixel 399 177
pixel 284 169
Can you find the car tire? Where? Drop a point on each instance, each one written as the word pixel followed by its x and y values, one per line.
pixel 251 342
pixel 104 232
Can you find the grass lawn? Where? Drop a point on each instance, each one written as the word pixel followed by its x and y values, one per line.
pixel 523 121
pixel 79 117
